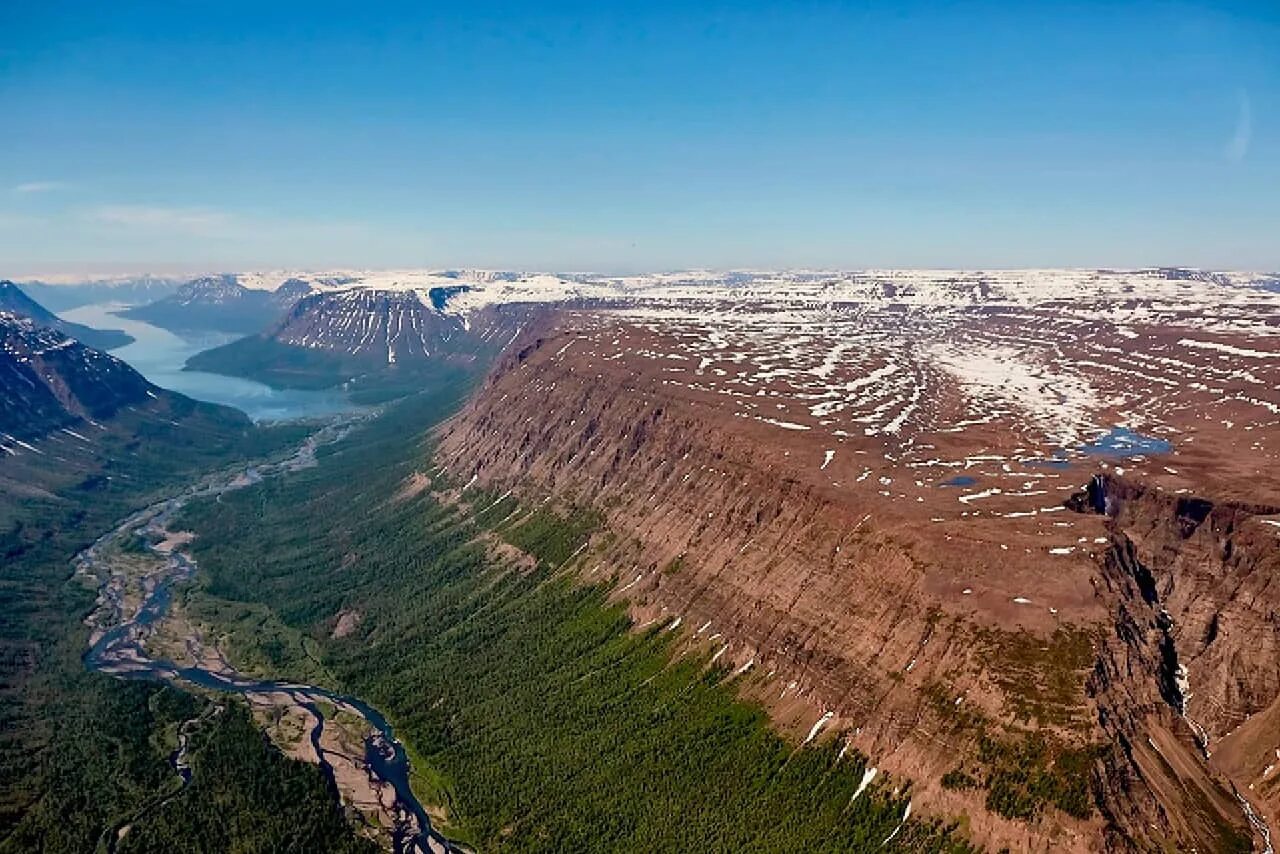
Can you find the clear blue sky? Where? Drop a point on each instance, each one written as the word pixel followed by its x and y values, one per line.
pixel 638 136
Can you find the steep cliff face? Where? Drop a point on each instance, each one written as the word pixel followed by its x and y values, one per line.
pixel 831 619
pixel 987 656
pixel 1211 567
pixel 1189 681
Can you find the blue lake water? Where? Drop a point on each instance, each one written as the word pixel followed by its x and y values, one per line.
pixel 159 355
pixel 1123 442
pixel 960 480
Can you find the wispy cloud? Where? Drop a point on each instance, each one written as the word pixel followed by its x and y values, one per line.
pixel 197 221
pixel 41 187
pixel 1238 147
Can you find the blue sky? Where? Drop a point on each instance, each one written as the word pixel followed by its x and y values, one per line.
pixel 638 136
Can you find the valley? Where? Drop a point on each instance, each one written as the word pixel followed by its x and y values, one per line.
pixel 731 428
pixel 944 560
pixel 536 714
pixel 350 741
pixel 85 754
pixel 150 622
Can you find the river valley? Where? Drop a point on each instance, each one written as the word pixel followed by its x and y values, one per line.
pixel 138 631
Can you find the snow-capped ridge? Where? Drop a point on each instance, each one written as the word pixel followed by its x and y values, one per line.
pixel 462 291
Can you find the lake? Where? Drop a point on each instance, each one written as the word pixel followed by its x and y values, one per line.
pixel 1123 442
pixel 159 355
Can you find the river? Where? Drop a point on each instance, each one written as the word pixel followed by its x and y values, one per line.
pixel 133 602
pixel 159 355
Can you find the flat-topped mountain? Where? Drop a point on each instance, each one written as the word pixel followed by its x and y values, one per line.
pixel 1011 534
pixel 331 337
pixel 220 303
pixel 462 291
pixel 393 326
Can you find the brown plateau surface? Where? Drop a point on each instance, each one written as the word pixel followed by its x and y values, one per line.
pixel 918 531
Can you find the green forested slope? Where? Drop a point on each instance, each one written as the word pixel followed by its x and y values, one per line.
pixel 532 710
pixel 82 753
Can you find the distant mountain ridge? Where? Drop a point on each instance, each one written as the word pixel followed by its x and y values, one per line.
pixel 211 301
pixel 15 301
pixel 221 303
pixel 357 323
pixel 129 290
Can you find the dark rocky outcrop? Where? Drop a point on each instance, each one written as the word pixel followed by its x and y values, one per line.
pixel 49 381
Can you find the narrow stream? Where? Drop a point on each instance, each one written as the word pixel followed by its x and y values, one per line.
pixel 120 629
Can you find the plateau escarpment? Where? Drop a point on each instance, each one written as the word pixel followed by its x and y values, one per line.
pixel 874 515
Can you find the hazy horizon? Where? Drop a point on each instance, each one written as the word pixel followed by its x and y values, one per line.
pixel 72 277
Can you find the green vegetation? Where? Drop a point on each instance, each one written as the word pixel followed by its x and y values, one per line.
pixel 245 796
pixel 535 716
pixel 278 365
pixel 80 752
pixel 1022 771
pixel 1024 775
pixel 136 544
pixel 957 778
pixel 551 537
pixel 259 642
pixel 1044 679
pixel 367 379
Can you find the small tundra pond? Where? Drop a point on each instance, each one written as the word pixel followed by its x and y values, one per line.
pixel 159 355
pixel 1123 442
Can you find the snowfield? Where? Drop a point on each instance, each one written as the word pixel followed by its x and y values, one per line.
pixel 1137 295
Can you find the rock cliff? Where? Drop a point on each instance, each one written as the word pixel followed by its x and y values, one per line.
pixel 1046 675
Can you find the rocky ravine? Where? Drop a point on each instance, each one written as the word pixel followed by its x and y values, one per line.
pixel 1192 584
pixel 856 585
